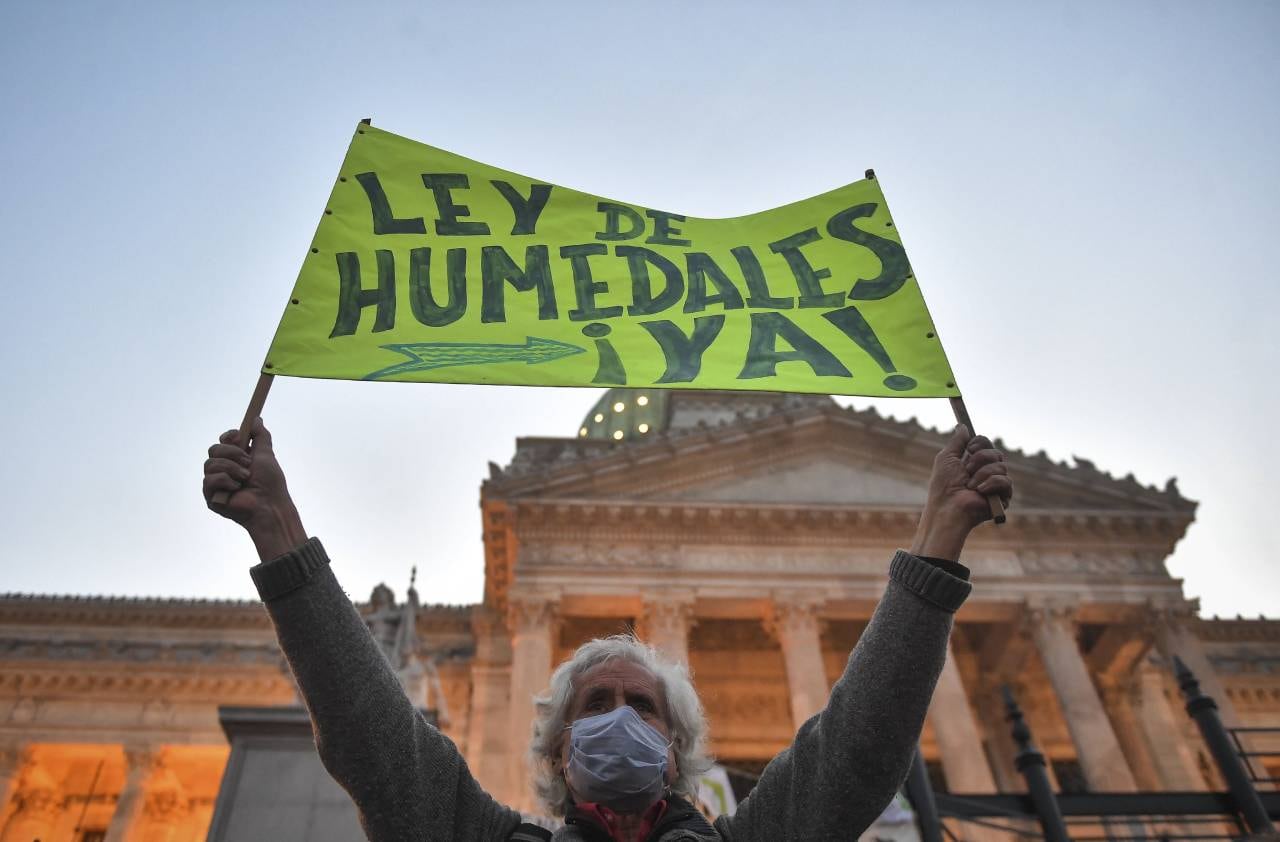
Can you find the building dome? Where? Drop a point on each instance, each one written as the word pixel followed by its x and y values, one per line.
pixel 626 415
pixel 637 414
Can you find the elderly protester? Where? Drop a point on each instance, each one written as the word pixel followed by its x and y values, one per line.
pixel 620 737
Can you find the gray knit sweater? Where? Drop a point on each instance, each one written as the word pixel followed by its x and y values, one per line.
pixel 410 782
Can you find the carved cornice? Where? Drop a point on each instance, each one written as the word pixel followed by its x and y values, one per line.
pixel 1238 630
pixel 1099 542
pixel 224 686
pixel 589 562
pixel 650 523
pixel 43 609
pixel 102 613
pixel 159 653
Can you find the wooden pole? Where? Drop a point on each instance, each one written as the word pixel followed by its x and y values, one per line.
pixel 251 414
pixel 962 417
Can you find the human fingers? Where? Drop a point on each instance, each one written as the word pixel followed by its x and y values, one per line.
pixel 991 469
pixel 230 467
pixel 229 437
pixel 978 443
pixel 1000 485
pixel 956 444
pixel 978 460
pixel 213 483
pixel 230 452
pixel 261 435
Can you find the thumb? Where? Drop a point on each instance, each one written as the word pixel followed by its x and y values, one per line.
pixel 959 440
pixel 261 435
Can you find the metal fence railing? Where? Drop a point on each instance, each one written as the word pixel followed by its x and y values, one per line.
pixel 1259 744
pixel 1242 811
pixel 1093 817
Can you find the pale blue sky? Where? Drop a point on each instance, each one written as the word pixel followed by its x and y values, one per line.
pixel 1089 192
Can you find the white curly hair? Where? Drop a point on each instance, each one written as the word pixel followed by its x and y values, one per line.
pixel 685 719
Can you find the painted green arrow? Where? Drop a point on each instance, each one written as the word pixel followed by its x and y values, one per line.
pixel 427 355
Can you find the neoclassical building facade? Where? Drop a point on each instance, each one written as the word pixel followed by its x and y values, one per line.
pixel 745 534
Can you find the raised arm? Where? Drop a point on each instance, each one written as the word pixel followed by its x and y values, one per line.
pixel 408 780
pixel 846 762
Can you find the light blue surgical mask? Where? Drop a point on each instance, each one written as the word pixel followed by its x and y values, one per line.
pixel 618 760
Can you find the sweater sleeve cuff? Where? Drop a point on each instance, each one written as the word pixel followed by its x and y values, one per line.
pixel 288 572
pixel 955 568
pixel 929 582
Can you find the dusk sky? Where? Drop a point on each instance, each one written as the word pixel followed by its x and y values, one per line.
pixel 1089 193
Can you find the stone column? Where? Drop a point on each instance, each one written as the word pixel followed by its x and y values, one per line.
pixel 795 624
pixel 1174 637
pixel 664 624
pixel 1101 758
pixel 37 805
pixel 140 761
pixel 531 620
pixel 1164 726
pixel 489 715
pixel 959 741
pixel 1118 698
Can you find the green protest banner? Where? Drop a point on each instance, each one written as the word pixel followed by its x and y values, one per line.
pixel 431 267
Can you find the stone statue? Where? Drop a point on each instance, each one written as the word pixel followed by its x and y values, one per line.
pixel 395 627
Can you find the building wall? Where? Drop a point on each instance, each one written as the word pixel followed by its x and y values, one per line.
pixel 85 742
pixel 752 545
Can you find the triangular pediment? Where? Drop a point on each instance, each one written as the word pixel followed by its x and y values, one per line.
pixel 813 454
pixel 815 479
